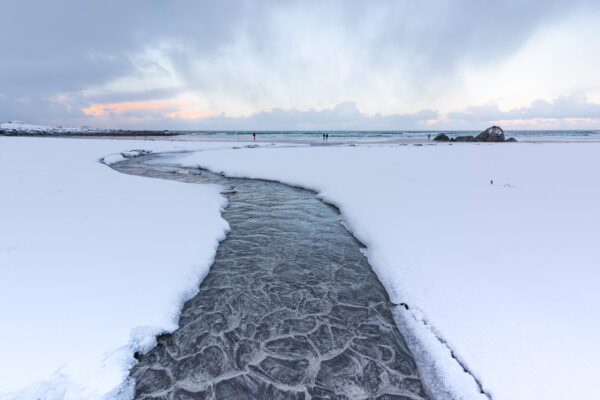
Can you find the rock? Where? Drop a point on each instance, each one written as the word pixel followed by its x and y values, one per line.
pixel 511 139
pixel 442 137
pixel 491 134
pixel 464 139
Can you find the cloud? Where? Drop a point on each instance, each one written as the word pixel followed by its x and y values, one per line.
pixel 344 116
pixel 243 56
pixel 103 109
pixel 566 109
pixel 564 112
pixel 191 114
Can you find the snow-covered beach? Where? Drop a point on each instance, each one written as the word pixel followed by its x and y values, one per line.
pixel 504 273
pixel 93 263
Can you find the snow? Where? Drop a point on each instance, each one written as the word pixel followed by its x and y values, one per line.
pixel 501 279
pixel 23 127
pixel 93 263
pixel 122 156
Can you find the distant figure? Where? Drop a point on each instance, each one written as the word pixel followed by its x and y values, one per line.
pixel 327 137
pixel 323 137
pixel 254 136
pixel 491 182
pixel 429 136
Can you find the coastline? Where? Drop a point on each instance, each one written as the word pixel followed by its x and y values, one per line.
pixel 92 133
pixel 311 140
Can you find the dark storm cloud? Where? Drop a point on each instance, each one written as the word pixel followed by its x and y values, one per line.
pixel 62 48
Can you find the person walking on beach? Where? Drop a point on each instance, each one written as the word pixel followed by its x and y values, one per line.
pixel 327 137
pixel 254 136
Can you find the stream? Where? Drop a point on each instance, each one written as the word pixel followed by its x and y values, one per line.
pixel 290 309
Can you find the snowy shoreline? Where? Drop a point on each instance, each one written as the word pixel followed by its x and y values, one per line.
pixel 16 128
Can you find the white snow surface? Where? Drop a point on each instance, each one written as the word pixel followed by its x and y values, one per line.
pixel 23 127
pixel 505 276
pixel 93 263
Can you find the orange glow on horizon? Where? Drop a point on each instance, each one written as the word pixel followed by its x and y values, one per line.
pixel 171 109
pixel 100 109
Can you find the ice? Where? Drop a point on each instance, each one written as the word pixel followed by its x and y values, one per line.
pixel 500 277
pixel 113 158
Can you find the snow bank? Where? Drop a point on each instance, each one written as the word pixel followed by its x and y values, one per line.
pixel 93 263
pixel 23 127
pixel 504 277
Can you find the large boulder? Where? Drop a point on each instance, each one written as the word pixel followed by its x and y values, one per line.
pixel 464 139
pixel 442 137
pixel 491 134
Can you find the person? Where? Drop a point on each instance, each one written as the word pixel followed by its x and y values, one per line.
pixel 327 137
pixel 491 181
pixel 323 137
pixel 429 136
pixel 254 136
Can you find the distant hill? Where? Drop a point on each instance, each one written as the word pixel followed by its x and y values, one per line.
pixel 18 128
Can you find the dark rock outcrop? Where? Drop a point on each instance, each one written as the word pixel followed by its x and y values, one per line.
pixel 491 134
pixel 464 139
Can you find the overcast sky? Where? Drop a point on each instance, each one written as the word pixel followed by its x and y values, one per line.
pixel 426 64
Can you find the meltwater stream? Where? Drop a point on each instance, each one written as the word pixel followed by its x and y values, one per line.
pixel 290 309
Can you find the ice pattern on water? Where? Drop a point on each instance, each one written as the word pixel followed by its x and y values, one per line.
pixel 290 309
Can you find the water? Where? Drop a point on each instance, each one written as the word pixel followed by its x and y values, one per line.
pixel 290 308
pixel 386 136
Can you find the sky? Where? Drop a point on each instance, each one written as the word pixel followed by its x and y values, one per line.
pixel 303 65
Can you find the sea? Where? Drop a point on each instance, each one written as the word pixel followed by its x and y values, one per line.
pixel 390 136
